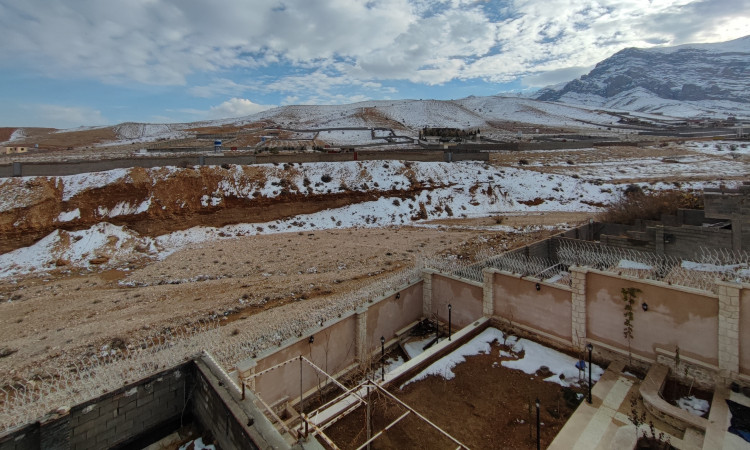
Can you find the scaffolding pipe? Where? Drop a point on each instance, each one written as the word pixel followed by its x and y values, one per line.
pixel 377 435
pixel 384 391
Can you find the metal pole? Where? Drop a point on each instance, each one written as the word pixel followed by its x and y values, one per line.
pixel 449 321
pixel 369 418
pixel 538 438
pixel 301 404
pixel 589 347
pixel 382 358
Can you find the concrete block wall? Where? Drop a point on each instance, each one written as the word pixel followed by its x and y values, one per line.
pixel 112 419
pixel 76 167
pixel 140 413
pixel 216 409
pixel 128 413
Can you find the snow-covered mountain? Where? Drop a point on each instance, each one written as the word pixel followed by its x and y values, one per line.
pixel 686 80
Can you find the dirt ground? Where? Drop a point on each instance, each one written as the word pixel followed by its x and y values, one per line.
pixel 495 404
pixel 52 319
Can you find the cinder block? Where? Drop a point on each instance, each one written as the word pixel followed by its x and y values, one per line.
pixel 142 401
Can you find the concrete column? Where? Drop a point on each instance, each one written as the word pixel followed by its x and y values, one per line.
pixel 360 337
pixel 578 297
pixel 729 329
pixel 659 244
pixel 426 293
pixel 245 369
pixel 736 232
pixel 488 300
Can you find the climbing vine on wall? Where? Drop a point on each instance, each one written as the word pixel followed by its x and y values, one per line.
pixel 629 296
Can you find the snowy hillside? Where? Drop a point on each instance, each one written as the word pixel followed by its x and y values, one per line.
pixel 682 81
pixel 471 112
pixel 400 193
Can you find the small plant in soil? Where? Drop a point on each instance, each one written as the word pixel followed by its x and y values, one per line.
pixel 629 296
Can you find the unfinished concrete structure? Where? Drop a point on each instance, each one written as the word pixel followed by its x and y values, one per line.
pixel 691 309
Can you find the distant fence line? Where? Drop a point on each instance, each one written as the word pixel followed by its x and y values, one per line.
pixel 18 169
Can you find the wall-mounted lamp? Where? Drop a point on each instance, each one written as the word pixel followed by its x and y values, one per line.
pixel 311 340
pixel 644 305
pixel 398 295
pixel 538 287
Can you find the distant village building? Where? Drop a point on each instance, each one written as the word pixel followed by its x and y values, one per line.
pixel 13 150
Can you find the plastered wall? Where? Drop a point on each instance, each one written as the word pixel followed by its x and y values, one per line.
pixel 744 337
pixel 675 317
pixel 333 349
pixel 392 314
pixel 548 309
pixel 465 299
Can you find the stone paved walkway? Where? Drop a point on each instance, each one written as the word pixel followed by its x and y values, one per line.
pixel 599 425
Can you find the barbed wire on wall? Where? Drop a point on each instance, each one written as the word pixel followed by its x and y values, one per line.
pixel 93 375
pixel 111 368
pixel 699 272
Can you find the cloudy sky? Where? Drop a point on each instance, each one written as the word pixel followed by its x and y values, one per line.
pixel 67 63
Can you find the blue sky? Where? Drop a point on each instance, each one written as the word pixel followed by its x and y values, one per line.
pixel 68 63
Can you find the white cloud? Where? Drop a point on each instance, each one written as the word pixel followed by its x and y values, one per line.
pixel 236 107
pixel 349 42
pixel 220 86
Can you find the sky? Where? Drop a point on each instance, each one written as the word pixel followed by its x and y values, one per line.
pixel 70 63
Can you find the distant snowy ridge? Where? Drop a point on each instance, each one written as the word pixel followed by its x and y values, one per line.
pixel 686 80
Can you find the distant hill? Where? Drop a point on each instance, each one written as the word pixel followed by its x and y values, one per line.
pixel 686 80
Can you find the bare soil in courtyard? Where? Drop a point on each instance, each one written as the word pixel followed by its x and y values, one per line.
pixel 484 406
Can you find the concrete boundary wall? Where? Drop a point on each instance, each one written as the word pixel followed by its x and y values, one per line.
pixel 75 167
pixel 140 413
pixel 744 333
pixel 676 317
pixel 518 301
pixel 113 419
pixel 705 332
pixel 464 296
pixel 337 346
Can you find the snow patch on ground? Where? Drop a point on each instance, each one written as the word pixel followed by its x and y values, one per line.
pixel 197 444
pixel 535 356
pixel 67 216
pixel 74 184
pixel 415 347
pixel 108 244
pixel 694 405
pixel 560 364
pixel 444 366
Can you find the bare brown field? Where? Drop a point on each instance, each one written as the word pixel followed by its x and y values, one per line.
pixel 56 318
